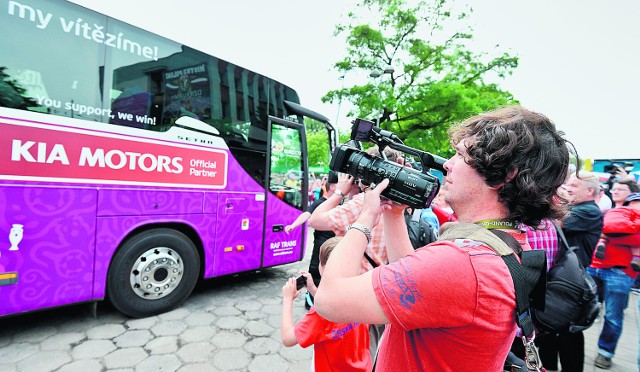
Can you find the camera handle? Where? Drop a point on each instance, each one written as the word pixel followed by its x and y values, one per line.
pixel 428 160
pixel 365 130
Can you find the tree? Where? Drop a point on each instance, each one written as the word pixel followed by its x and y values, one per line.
pixel 317 143
pixel 12 94
pixel 436 80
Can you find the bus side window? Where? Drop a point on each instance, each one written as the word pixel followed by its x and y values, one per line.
pixel 144 79
pixel 59 76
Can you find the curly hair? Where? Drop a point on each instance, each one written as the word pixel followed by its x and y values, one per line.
pixel 515 140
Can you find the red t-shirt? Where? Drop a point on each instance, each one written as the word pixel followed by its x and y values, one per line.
pixel 452 308
pixel 337 346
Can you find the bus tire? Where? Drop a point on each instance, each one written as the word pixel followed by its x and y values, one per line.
pixel 153 272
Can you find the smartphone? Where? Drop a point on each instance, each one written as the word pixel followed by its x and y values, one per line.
pixel 301 281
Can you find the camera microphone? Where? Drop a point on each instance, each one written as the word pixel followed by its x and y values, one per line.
pixel 386 134
pixel 436 162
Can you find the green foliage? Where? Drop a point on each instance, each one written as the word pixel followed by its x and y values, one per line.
pixel 318 146
pixel 312 125
pixel 12 94
pixel 317 143
pixel 437 80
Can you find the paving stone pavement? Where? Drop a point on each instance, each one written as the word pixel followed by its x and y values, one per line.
pixel 626 358
pixel 228 324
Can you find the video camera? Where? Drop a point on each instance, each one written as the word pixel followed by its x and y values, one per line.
pixel 408 186
pixel 613 167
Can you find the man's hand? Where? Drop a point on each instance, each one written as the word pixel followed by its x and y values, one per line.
pixel 320 218
pixel 373 205
pixel 622 174
pixel 344 183
pixel 345 295
pixel 288 228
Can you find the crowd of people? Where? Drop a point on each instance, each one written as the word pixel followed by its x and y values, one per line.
pixel 375 302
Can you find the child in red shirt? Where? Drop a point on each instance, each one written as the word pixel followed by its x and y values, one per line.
pixel 337 346
pixel 621 222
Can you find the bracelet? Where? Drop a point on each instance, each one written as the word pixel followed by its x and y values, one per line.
pixel 362 228
pixel 339 193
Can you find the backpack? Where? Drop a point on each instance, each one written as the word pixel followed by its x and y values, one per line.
pixel 528 275
pixel 571 304
pixel 420 232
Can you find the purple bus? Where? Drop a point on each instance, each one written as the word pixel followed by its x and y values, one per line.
pixel 132 166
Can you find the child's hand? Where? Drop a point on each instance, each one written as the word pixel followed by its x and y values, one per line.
pixel 311 286
pixel 289 291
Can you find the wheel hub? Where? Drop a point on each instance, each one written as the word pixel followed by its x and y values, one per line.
pixel 156 273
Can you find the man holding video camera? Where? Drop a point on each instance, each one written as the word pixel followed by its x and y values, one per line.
pixel 450 305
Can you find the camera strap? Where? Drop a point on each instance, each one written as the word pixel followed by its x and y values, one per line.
pixel 371 261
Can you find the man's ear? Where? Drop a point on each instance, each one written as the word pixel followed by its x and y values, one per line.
pixel 511 175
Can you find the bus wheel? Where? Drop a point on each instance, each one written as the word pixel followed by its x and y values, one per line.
pixel 153 272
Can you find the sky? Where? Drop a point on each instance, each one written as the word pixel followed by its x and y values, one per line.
pixel 578 62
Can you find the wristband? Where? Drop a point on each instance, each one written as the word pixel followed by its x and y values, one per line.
pixel 339 192
pixel 362 228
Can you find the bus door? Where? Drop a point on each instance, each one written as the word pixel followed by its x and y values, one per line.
pixel 239 232
pixel 288 177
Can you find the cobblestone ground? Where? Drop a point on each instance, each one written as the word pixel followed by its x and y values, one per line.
pixel 228 324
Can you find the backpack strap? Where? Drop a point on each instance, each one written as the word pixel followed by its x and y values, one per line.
pixel 471 231
pixel 529 278
pixel 509 240
pixel 533 266
pixel 526 276
pixel 525 279
pixel 564 247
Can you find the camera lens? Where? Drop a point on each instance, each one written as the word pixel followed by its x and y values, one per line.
pixel 406 185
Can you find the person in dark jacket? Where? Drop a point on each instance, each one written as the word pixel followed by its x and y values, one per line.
pixel 582 228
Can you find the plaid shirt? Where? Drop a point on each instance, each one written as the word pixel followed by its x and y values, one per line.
pixel 344 215
pixel 545 238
